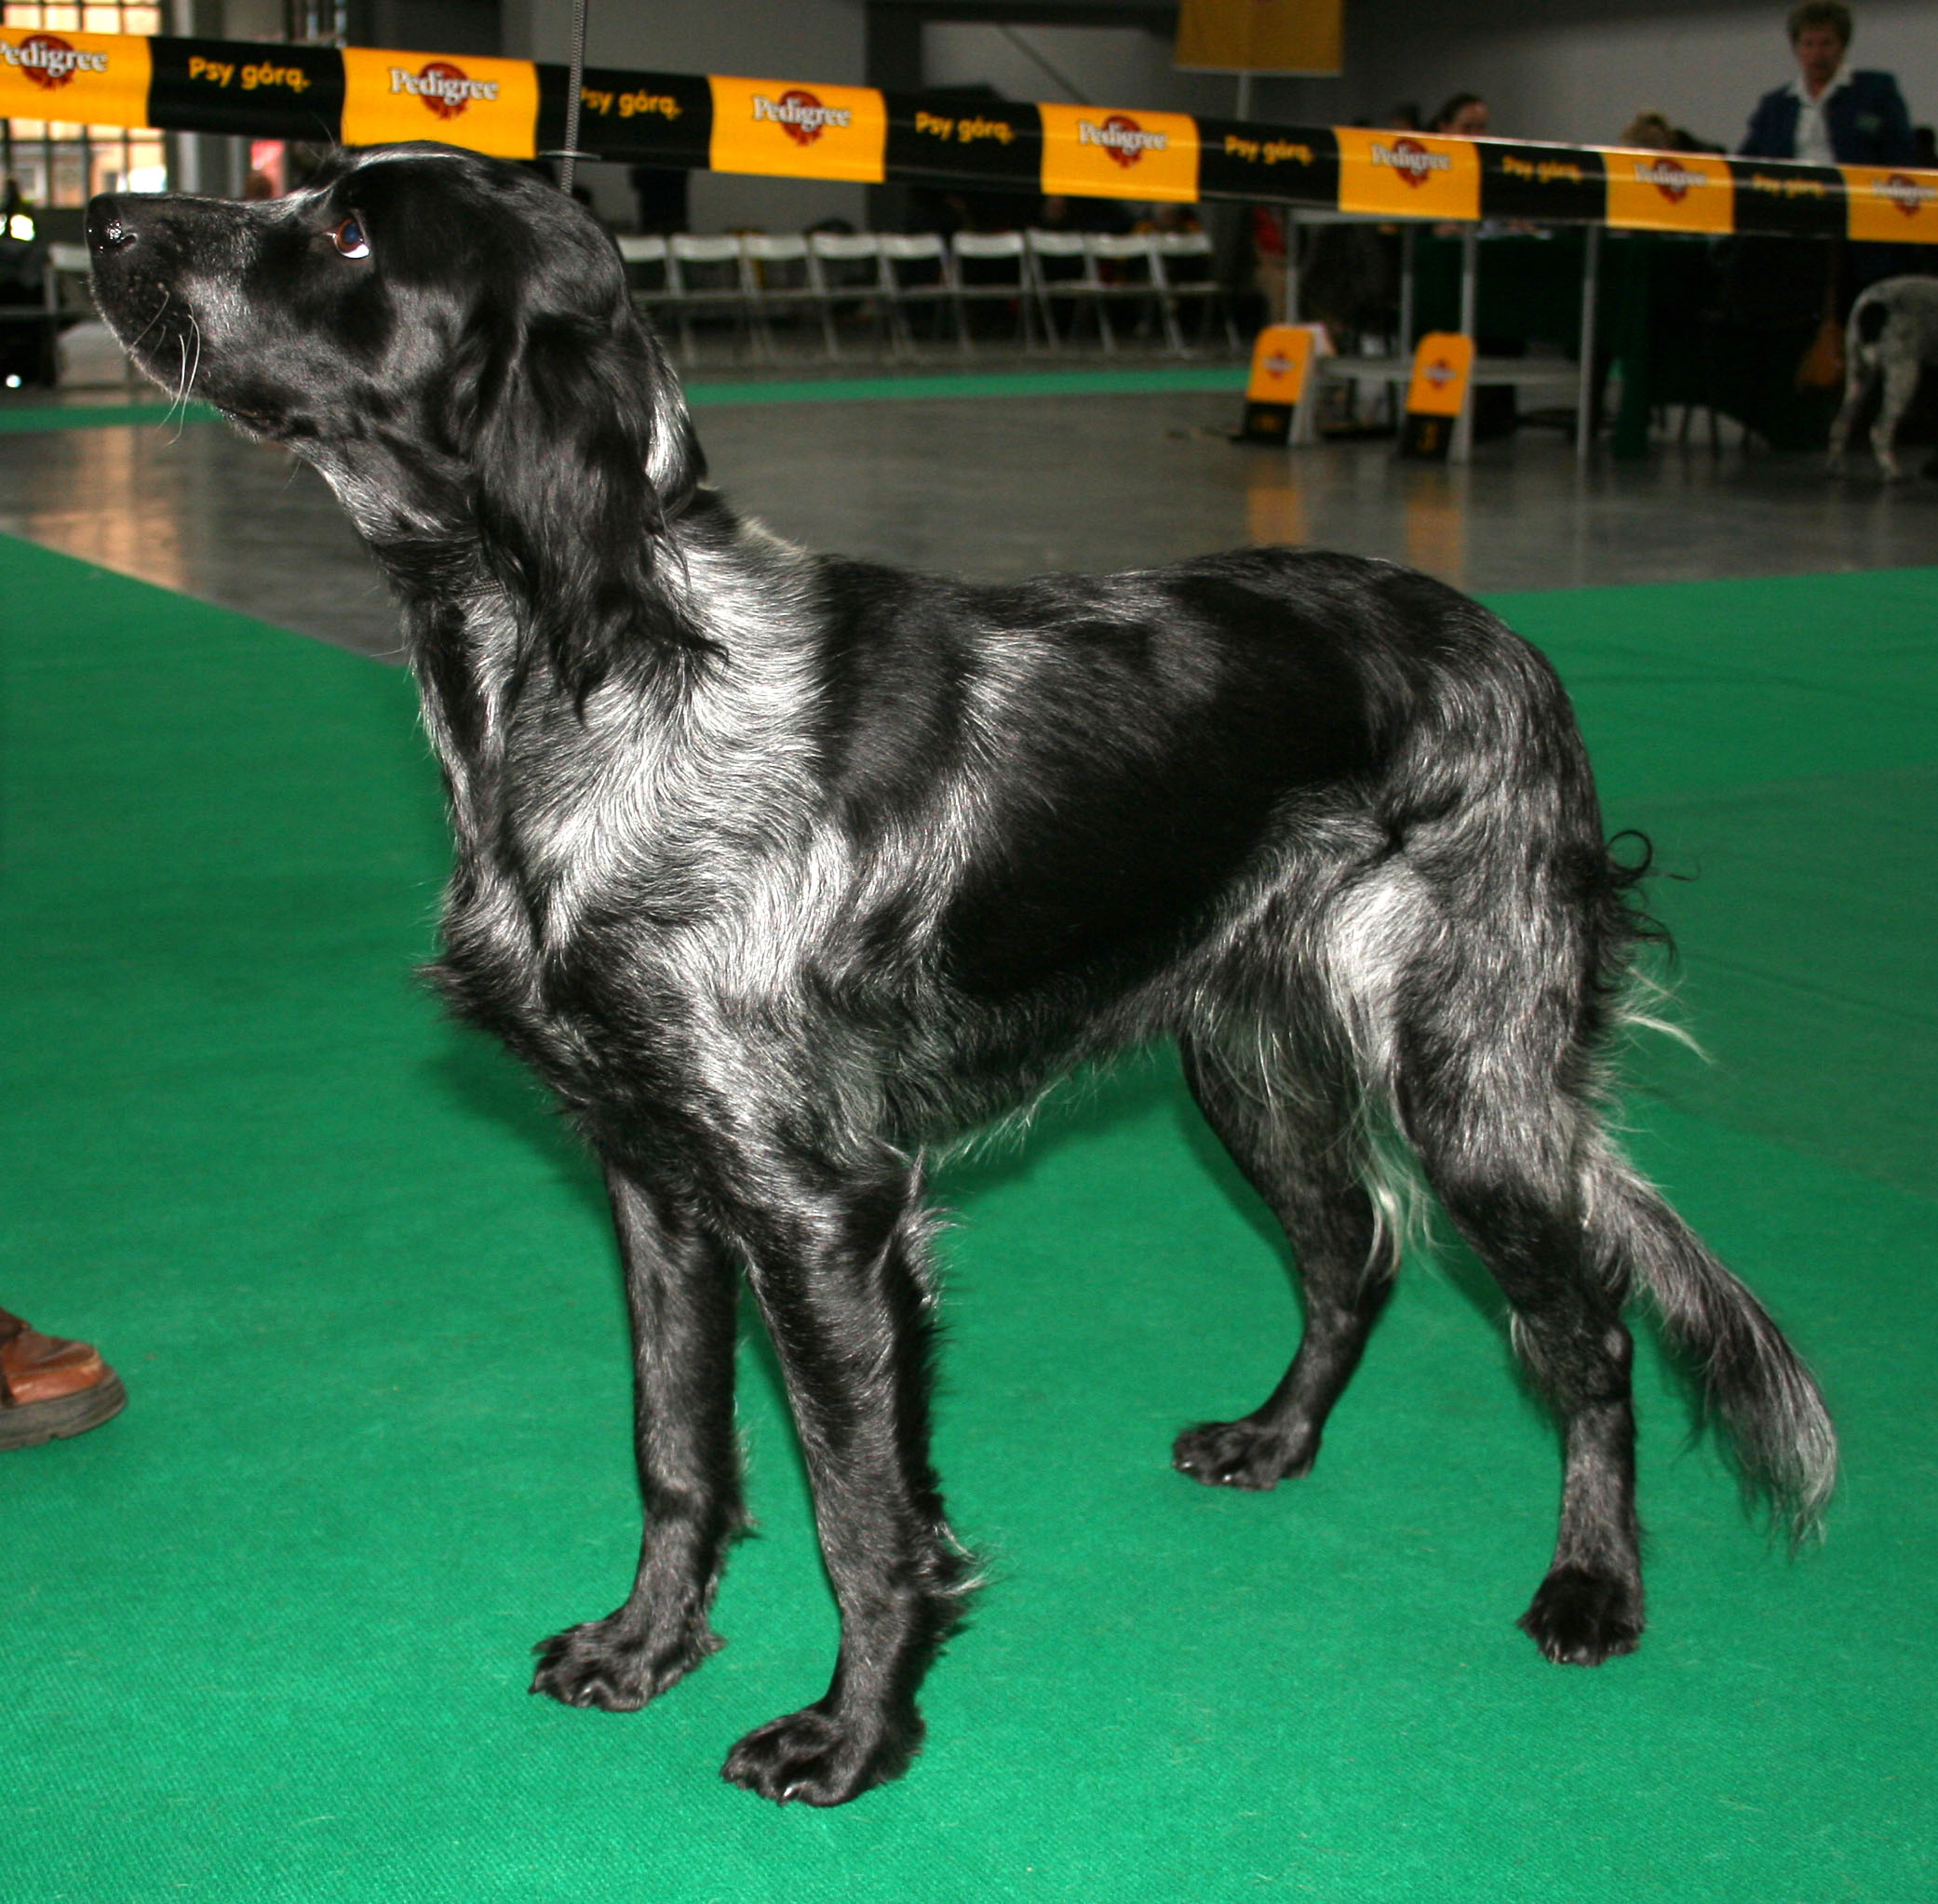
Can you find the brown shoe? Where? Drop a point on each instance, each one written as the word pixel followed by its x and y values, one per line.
pixel 49 1388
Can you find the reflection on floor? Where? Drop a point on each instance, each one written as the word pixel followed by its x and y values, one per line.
pixel 1004 487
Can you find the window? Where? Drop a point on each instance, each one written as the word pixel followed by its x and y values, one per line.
pixel 56 163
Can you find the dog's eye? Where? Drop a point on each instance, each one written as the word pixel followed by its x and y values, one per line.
pixel 349 239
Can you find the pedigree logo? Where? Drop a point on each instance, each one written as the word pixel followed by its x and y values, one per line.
pixel 801 115
pixel 1910 195
pixel 49 61
pixel 825 131
pixel 1411 160
pixel 1104 152
pixel 1668 177
pixel 1122 138
pixel 445 90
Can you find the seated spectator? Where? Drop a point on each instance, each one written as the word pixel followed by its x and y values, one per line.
pixel 1464 116
pixel 1652 132
pixel 1830 114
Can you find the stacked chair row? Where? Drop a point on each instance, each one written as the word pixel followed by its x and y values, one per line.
pixel 1037 285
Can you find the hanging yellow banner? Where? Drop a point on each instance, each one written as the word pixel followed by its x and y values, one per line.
pixel 1099 151
pixel 489 105
pixel 1892 204
pixel 1407 174
pixel 84 79
pixel 789 131
pixel 1260 36
pixel 1670 192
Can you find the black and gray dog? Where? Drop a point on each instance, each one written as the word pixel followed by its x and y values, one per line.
pixel 1890 341
pixel 780 868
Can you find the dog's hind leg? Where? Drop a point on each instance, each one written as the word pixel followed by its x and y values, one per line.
pixel 837 1262
pixel 680 1292
pixel 1900 387
pixel 1858 374
pixel 1485 1057
pixel 1300 1145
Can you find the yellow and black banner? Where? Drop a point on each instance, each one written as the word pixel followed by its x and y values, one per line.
pixel 638 118
pixel 490 105
pixel 1098 151
pixel 1407 174
pixel 786 129
pixel 1671 192
pixel 783 130
pixel 1541 182
pixel 1294 163
pixel 255 91
pixel 1891 205
pixel 93 79
pixel 1259 36
pixel 997 145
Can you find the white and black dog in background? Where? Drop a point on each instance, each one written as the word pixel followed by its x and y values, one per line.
pixel 1890 338
pixel 781 868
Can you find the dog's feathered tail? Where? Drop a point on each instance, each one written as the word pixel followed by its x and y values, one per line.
pixel 1755 1381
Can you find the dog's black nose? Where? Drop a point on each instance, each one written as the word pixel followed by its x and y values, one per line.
pixel 110 224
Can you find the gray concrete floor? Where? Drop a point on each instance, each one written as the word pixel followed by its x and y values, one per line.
pixel 1002 487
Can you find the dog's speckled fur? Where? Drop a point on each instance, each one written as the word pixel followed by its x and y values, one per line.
pixel 782 869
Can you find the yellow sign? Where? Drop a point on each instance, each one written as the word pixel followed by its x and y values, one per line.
pixel 87 79
pixel 784 130
pixel 1260 36
pixel 1280 360
pixel 1407 174
pixel 1099 151
pixel 489 105
pixel 1670 192
pixel 1441 366
pixel 1891 203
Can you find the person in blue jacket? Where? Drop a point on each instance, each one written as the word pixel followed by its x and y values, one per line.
pixel 1829 115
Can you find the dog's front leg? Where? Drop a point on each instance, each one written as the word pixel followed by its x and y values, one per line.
pixel 839 1278
pixel 680 1291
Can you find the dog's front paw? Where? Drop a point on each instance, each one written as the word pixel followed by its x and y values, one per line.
pixel 820 1758
pixel 1242 1454
pixel 617 1665
pixel 1581 1618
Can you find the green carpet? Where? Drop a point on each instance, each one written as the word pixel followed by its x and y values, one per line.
pixel 903 386
pixel 265 1638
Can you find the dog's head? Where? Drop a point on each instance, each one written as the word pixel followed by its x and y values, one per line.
pixel 450 340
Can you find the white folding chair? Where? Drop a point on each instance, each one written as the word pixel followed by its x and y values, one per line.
pixel 1123 264
pixel 849 266
pixel 703 278
pixel 998 272
pixel 645 261
pixel 70 270
pixel 1063 272
pixel 1182 264
pixel 915 271
pixel 776 278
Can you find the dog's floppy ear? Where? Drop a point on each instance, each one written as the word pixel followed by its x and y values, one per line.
pixel 581 453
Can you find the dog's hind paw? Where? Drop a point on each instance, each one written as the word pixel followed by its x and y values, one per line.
pixel 818 1758
pixel 615 1665
pixel 1242 1454
pixel 1581 1618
